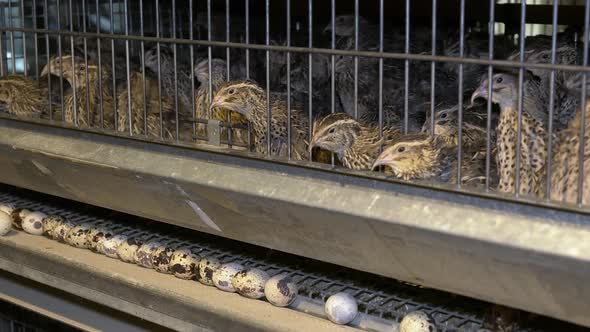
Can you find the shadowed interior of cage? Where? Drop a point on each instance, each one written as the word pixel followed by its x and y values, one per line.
pixel 372 86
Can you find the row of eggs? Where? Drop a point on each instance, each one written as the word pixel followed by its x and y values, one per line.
pixel 167 256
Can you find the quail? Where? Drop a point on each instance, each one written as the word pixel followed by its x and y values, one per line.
pixel 22 96
pixel 250 100
pixel 355 144
pixel 142 105
pixel 86 106
pixel 533 150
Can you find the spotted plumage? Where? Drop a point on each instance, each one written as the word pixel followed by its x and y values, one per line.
pixel 355 144
pixel 22 96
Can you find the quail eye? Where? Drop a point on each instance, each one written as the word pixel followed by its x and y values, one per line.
pixel 332 130
pixel 443 116
pixel 499 80
pixel 401 149
pixel 231 91
pixel 545 56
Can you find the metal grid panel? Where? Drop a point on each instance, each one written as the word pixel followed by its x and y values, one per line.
pixel 377 297
pixel 298 56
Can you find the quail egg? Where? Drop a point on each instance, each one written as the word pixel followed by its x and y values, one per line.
pixel 33 223
pixel 207 266
pixel 341 308
pixel 5 223
pixel 110 245
pixel 77 235
pixel 222 277
pixel 18 215
pixel 96 234
pixel 161 258
pixel 417 321
pixel 61 229
pixel 50 223
pixel 184 263
pixel 250 283
pixel 7 208
pixel 281 290
pixel 143 255
pixel 126 251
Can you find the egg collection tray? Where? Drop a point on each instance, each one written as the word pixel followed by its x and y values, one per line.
pixel 382 302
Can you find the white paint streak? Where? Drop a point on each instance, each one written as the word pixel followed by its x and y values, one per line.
pixel 42 168
pixel 203 215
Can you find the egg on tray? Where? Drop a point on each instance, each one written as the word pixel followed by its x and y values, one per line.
pixel 50 223
pixel 77 236
pixel 162 256
pixel 126 251
pixel 143 255
pixel 184 263
pixel 33 223
pixel 62 228
pixel 250 283
pixel 18 215
pixel 207 267
pixel 417 321
pixel 222 277
pixel 110 245
pixel 5 223
pixel 281 290
pixel 7 208
pixel 96 235
pixel 341 308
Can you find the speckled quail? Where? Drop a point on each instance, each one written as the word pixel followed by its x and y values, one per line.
pixel 22 96
pixel 355 144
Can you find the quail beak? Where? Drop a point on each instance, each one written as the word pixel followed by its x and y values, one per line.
pixel 215 103
pixel 45 71
pixel 384 159
pixel 481 92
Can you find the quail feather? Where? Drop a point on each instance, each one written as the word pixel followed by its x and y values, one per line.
pixel 22 96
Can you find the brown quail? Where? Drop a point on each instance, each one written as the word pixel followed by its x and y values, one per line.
pixel 22 96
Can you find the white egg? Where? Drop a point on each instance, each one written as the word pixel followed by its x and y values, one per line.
pixel 341 308
pixel 281 290
pixel 7 208
pixel 77 235
pixel 18 215
pixel 184 263
pixel 33 223
pixel 250 283
pixel 143 255
pixel 161 258
pixel 50 223
pixel 417 321
pixel 207 267
pixel 109 247
pixel 127 250
pixel 62 229
pixel 5 223
pixel 222 277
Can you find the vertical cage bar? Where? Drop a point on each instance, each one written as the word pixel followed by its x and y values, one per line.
pixel 86 62
pixel 332 67
pixel 268 107
pixel 247 13
pixel 228 65
pixel 48 54
pixel 99 60
pixel 209 58
pixel 175 65
pixel 289 80
pixel 11 34
pixel 192 56
pixel 551 101
pixel 460 93
pixel 142 59
pixel 310 69
pixel 407 70
pixel 35 44
pixel 381 24
pixel 113 62
pixel 522 38
pixel 491 34
pixel 433 67
pixel 583 104
pixel 2 17
pixel 159 65
pixel 24 37
pixel 74 69
pixel 128 68
pixel 356 58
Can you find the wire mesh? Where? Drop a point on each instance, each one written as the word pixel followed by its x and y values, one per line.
pixel 391 80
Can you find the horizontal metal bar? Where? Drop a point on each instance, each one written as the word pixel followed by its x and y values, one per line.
pixel 306 50
pixel 527 257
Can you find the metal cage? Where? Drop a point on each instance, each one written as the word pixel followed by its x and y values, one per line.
pixel 153 139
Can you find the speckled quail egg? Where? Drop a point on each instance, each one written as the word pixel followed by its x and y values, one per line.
pixel 96 234
pixel 223 276
pixel 33 223
pixel 207 266
pixel 18 215
pixel 5 223
pixel 184 263
pixel 417 321
pixel 281 290
pixel 161 258
pixel 143 255
pixel 126 250
pixel 109 245
pixel 341 308
pixel 77 235
pixel 62 229
pixel 250 283
pixel 50 223
pixel 7 208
